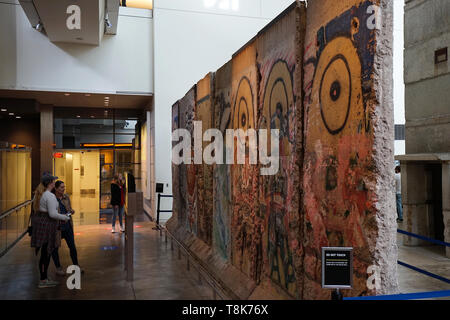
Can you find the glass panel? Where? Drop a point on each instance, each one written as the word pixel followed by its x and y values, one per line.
pixel 21 177
pixel 124 156
pixel 15 189
pixel 3 170
pixel 12 228
pixel 11 178
pixel 107 174
pixel 3 230
pixel 82 133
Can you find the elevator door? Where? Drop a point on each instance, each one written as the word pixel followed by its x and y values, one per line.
pixel 80 171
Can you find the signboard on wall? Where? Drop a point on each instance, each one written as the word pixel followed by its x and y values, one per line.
pixel 337 268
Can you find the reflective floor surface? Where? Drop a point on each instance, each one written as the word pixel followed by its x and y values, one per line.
pixel 159 274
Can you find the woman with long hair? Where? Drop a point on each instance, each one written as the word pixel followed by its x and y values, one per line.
pixel 65 206
pixel 117 201
pixel 45 222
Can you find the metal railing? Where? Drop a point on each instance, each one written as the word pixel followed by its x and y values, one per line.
pixel 158 209
pixel 203 274
pixel 13 226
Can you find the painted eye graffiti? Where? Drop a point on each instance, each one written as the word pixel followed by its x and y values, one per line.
pixel 335 94
pixel 244 119
pixel 335 86
pixel 335 90
pixel 243 108
pixel 278 98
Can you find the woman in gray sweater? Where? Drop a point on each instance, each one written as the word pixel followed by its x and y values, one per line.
pixel 46 235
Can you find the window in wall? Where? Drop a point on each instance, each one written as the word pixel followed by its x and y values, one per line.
pixel 141 4
pixel 399 132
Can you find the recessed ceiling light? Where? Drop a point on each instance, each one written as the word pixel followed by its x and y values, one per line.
pixel 67 94
pixel 18 117
pixel 11 113
pixel 78 116
pixel 92 117
pixel 87 95
pixel 4 110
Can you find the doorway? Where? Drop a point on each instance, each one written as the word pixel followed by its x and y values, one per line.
pixel 436 200
pixel 80 171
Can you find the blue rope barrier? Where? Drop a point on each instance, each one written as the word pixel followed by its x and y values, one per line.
pixel 406 296
pixel 442 243
pixel 424 272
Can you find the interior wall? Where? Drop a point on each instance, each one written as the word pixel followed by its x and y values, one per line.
pixel 122 63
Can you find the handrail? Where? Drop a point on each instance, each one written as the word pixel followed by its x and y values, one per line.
pixel 215 285
pixel 16 208
pixel 158 210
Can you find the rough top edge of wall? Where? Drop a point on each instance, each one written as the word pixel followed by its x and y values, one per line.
pixel 294 5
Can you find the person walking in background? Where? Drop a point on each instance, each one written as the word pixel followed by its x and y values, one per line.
pixel 45 222
pixel 66 228
pixel 398 193
pixel 117 201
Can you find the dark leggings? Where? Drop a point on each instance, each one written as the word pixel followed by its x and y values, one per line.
pixel 66 234
pixel 44 261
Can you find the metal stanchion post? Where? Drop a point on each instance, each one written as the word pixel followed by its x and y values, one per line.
pixel 157 212
pixel 129 247
pixel 336 295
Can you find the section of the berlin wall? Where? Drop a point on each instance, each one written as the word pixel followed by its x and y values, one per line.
pixel 187 202
pixel 204 171
pixel 246 223
pixel 348 160
pixel 178 205
pixel 279 52
pixel 222 172
pixel 383 127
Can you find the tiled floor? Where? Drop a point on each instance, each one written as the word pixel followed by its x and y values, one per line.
pixel 159 274
pixel 429 258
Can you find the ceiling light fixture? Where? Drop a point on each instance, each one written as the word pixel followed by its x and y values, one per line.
pixel 78 116
pixel 67 94
pixel 18 117
pixel 4 110
pixel 11 113
pixel 87 95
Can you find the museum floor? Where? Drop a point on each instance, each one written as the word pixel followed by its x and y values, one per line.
pixel 159 274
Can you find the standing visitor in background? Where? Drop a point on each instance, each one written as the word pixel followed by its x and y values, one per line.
pixel 117 202
pixel 398 193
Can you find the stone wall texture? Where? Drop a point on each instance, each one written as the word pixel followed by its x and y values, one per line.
pixel 322 76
